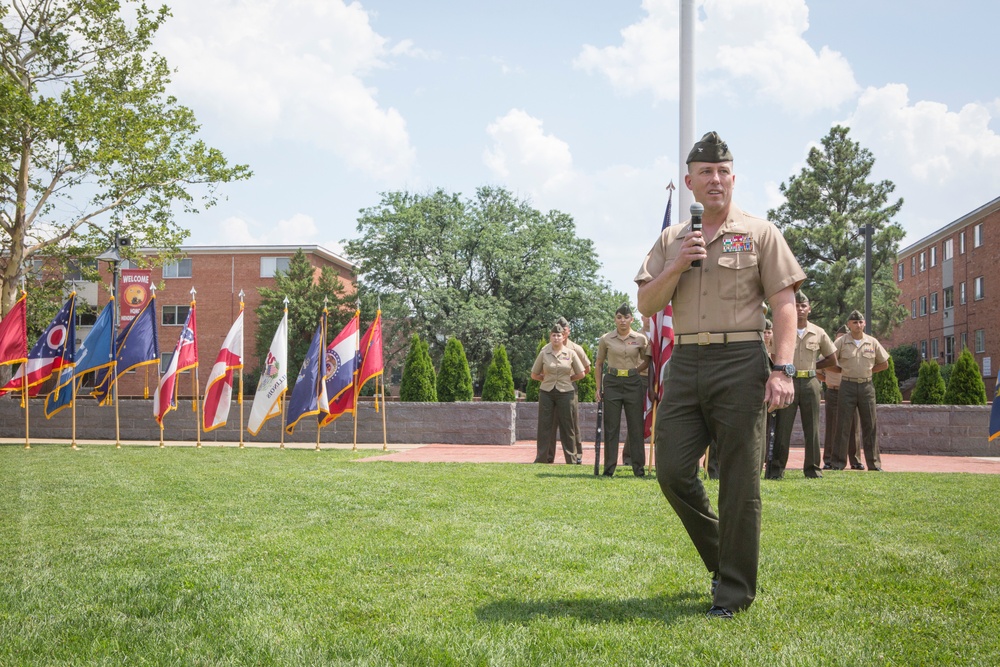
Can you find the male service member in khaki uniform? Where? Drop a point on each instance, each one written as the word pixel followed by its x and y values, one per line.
pixel 719 375
pixel 812 343
pixel 860 356
pixel 623 387
pixel 831 400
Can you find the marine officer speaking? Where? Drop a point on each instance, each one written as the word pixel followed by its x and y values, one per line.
pixel 720 378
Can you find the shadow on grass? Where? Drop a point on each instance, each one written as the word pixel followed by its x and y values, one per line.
pixel 666 608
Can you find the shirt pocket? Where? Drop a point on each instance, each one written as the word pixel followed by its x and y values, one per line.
pixel 737 275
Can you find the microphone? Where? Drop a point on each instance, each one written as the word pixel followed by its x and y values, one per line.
pixel 696 212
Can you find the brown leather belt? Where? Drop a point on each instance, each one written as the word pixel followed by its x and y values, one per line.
pixel 622 372
pixel 706 338
pixel 857 380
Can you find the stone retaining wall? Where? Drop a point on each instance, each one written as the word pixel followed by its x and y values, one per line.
pixel 903 429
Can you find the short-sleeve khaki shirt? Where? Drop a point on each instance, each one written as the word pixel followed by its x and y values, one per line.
pixel 556 368
pixel 748 261
pixel 814 345
pixel 857 361
pixel 623 353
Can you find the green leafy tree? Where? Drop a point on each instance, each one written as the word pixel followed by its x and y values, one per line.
pixel 827 206
pixel 487 270
pixel 965 386
pixel 499 383
pixel 906 359
pixel 887 385
pixel 930 385
pixel 306 298
pixel 90 138
pixel 418 383
pixel 454 382
pixel 533 386
pixel 586 388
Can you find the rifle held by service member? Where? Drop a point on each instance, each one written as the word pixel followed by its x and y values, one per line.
pixel 597 437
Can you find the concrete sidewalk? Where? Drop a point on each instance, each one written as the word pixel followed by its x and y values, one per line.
pixel 524 452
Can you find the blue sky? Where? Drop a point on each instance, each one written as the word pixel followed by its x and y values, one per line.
pixel 573 105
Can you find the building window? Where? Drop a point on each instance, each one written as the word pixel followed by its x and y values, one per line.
pixel 923 306
pixel 961 293
pixel 899 272
pixel 949 349
pixel 923 349
pixel 923 261
pixel 934 302
pixel 979 288
pixel 165 358
pixel 980 340
pixel 913 309
pixel 977 235
pixel 934 348
pixel 965 339
pixel 949 297
pixel 179 269
pixel 174 316
pixel 961 243
pixel 948 250
pixel 270 265
pixel 934 256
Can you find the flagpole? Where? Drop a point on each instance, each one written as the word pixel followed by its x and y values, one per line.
pixel 73 412
pixel 239 396
pixel 114 397
pixel 281 426
pixel 385 440
pixel 25 399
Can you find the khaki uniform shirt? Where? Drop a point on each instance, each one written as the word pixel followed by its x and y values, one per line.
pixel 580 353
pixel 623 353
pixel 814 345
pixel 748 261
pixel 556 368
pixel 856 361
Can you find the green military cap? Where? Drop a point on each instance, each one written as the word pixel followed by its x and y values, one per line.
pixel 800 297
pixel 624 309
pixel 562 321
pixel 842 330
pixel 556 328
pixel 855 315
pixel 711 148
pixel 768 325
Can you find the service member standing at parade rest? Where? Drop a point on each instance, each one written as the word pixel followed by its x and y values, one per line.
pixel 623 387
pixel 585 362
pixel 556 367
pixel 813 349
pixel 720 378
pixel 831 401
pixel 860 356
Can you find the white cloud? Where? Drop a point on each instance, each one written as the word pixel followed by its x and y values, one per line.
pixel 291 69
pixel 298 229
pixel 523 153
pixel 752 48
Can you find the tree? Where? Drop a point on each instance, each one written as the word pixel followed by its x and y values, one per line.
pixel 930 385
pixel 907 361
pixel 417 384
pixel 965 386
pixel 825 212
pixel 307 296
pixel 488 270
pixel 499 382
pixel 534 386
pixel 887 386
pixel 90 138
pixel 454 382
pixel 586 388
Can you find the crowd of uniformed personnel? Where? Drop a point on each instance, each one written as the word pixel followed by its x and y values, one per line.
pixel 731 373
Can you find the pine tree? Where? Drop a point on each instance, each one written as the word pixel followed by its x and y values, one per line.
pixel 887 386
pixel 965 386
pixel 499 383
pixel 418 382
pixel 930 385
pixel 454 382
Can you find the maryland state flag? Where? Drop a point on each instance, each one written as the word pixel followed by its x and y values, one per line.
pixel 14 334
pixel 53 351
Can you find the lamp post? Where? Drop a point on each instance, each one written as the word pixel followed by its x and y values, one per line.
pixel 113 257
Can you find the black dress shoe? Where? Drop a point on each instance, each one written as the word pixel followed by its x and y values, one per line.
pixel 857 467
pixel 719 612
pixel 827 466
pixel 814 474
pixel 875 469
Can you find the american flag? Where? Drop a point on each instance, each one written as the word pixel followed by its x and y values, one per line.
pixel 660 332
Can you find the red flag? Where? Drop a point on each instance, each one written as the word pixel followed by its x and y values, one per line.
pixel 661 341
pixel 53 351
pixel 14 334
pixel 371 352
pixel 219 390
pixel 185 357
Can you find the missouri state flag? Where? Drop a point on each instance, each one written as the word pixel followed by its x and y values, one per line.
pixel 219 390
pixel 185 356
pixel 53 350
pixel 342 361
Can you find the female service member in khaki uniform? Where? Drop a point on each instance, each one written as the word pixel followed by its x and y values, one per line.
pixel 623 386
pixel 557 368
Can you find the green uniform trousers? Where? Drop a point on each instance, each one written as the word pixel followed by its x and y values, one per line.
pixel 716 392
pixel 831 399
pixel 860 397
pixel 628 393
pixel 572 434
pixel 555 408
pixel 806 403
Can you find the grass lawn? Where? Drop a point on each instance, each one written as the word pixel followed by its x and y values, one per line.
pixel 218 556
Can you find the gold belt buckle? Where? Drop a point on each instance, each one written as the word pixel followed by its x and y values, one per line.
pixel 704 338
pixel 623 372
pixel 802 374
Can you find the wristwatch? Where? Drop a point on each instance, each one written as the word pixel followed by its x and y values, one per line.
pixel 787 369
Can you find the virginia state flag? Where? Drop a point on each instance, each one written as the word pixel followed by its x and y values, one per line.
pixel 53 351
pixel 309 392
pixel 342 361
pixel 185 357
pixel 995 415
pixel 273 380
pixel 137 345
pixel 219 390
pixel 14 334
pixel 96 352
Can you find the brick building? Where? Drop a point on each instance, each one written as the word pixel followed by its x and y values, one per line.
pixel 951 290
pixel 217 273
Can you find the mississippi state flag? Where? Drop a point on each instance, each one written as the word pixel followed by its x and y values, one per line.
pixel 185 357
pixel 53 351
pixel 219 390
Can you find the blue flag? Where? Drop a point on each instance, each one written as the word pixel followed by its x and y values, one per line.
pixel 309 392
pixel 995 415
pixel 137 345
pixel 95 353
